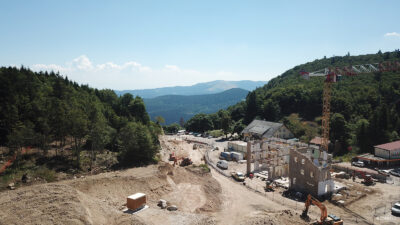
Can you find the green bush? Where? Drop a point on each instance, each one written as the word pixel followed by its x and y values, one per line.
pixel 45 173
pixel 216 133
pixel 205 167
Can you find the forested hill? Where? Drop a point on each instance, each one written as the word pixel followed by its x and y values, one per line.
pixel 211 87
pixel 365 109
pixel 174 107
pixel 37 109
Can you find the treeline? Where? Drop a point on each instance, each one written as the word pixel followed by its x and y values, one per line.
pixel 365 109
pixel 40 108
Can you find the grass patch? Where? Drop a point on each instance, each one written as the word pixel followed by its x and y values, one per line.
pixel 205 167
pixel 346 157
pixel 216 133
pixel 45 173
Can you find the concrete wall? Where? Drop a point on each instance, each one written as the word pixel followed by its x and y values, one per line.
pixel 395 154
pixel 306 177
pixel 382 153
pixel 392 154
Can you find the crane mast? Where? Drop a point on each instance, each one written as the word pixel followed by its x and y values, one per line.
pixel 332 75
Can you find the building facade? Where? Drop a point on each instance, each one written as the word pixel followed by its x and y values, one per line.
pixel 389 150
pixel 309 172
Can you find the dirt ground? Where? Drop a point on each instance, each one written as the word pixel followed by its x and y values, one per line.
pixel 201 197
pixel 100 199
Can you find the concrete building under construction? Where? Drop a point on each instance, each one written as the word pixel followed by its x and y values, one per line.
pixel 271 155
pixel 309 171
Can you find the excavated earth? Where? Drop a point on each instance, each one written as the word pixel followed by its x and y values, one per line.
pixel 101 199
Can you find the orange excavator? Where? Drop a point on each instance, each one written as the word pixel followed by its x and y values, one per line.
pixel 184 161
pixel 325 218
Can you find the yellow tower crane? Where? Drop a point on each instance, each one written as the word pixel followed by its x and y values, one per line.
pixel 332 75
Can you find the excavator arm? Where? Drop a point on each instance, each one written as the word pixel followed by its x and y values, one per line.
pixel 311 200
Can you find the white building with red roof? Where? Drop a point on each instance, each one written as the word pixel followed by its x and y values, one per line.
pixel 389 150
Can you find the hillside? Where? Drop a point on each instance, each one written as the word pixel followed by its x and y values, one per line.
pixel 173 107
pixel 211 87
pixel 46 111
pixel 365 109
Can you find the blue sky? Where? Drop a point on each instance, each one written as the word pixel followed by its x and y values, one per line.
pixel 148 44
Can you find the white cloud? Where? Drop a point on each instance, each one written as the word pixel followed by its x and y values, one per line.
pixel 82 63
pixel 392 34
pixel 131 74
pixel 50 67
pixel 108 65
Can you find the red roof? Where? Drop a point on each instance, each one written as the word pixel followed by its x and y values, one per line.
pixel 389 146
pixel 316 141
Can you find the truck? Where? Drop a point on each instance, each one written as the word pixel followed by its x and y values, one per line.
pixel 225 156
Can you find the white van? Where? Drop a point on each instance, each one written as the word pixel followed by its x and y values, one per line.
pixel 223 164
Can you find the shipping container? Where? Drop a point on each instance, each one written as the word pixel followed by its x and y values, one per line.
pixel 236 156
pixel 225 155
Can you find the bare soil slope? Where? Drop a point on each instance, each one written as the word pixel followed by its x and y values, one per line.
pixel 100 199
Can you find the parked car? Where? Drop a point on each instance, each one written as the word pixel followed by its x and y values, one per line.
pixel 384 172
pixel 238 176
pixel 358 163
pixel 395 172
pixel 223 164
pixel 396 209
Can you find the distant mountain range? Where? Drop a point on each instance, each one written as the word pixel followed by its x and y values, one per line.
pixel 173 107
pixel 197 89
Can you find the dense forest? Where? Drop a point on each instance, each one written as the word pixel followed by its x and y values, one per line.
pixel 365 109
pixel 175 107
pixel 40 109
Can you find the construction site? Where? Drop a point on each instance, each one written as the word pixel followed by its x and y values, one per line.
pixel 268 177
pixel 173 192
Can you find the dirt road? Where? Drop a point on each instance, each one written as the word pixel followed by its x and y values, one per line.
pixel 242 206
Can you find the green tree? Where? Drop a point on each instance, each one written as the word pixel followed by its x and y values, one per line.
pixel 363 138
pixel 181 122
pixel 225 121
pixel 199 123
pixel 136 144
pixel 160 120
pixel 339 131
pixel 79 130
pixel 271 111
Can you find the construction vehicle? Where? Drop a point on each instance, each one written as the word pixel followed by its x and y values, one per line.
pixel 325 218
pixel 186 162
pixel 367 178
pixel 172 157
pixel 268 186
pixel 332 75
